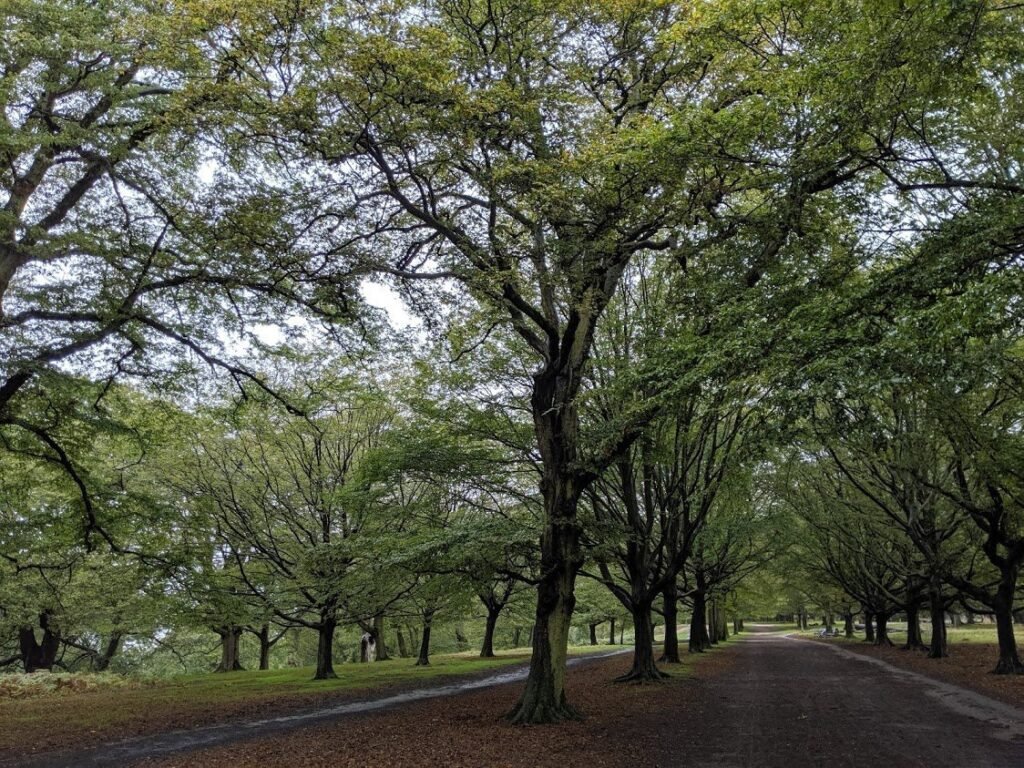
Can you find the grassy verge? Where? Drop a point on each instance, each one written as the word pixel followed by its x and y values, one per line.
pixel 69 715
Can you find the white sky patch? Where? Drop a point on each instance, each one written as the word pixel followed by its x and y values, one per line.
pixel 385 297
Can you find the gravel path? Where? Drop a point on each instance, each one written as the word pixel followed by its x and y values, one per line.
pixel 790 702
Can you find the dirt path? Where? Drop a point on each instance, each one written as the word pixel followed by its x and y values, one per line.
pixel 789 702
pixel 762 702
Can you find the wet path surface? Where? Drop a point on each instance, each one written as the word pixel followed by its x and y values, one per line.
pixel 789 702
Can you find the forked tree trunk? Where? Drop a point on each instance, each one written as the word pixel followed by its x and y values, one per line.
pixel 644 670
pixel 37 655
pixel 325 647
pixel 487 649
pixel 109 652
pixel 670 648
pixel 424 657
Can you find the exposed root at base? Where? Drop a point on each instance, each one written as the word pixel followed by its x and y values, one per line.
pixel 646 676
pixel 542 714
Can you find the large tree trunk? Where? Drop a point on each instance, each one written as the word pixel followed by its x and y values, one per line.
pixel 424 657
pixel 229 647
pixel 487 648
pixel 265 645
pixel 937 649
pixel 378 638
pixel 848 624
pixel 869 627
pixel 325 647
pixel 699 639
pixel 36 655
pixel 882 629
pixel 644 669
pixel 914 640
pixel 1009 661
pixel 670 648
pixel 543 700
pixel 593 633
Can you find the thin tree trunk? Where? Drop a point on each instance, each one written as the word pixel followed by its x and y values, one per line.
pixel 593 634
pixel 424 658
pixel 517 636
pixel 378 638
pixel 611 631
pixel 403 650
pixel 487 649
pixel 111 649
pixel 699 640
pixel 937 649
pixel 670 648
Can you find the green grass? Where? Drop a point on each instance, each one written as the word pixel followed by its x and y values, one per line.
pixel 969 633
pixel 59 719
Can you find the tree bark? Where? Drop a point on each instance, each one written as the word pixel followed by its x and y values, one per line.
pixel 593 634
pixel 644 670
pixel 403 650
pixel 487 648
pixel 914 640
pixel 882 629
pixel 869 627
pixel 109 652
pixel 230 637
pixel 611 631
pixel 848 624
pixel 378 638
pixel 39 655
pixel 670 648
pixel 699 639
pixel 938 648
pixel 424 657
pixel 1009 661
pixel 325 647
pixel 543 699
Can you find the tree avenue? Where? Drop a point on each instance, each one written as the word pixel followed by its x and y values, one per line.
pixel 695 312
